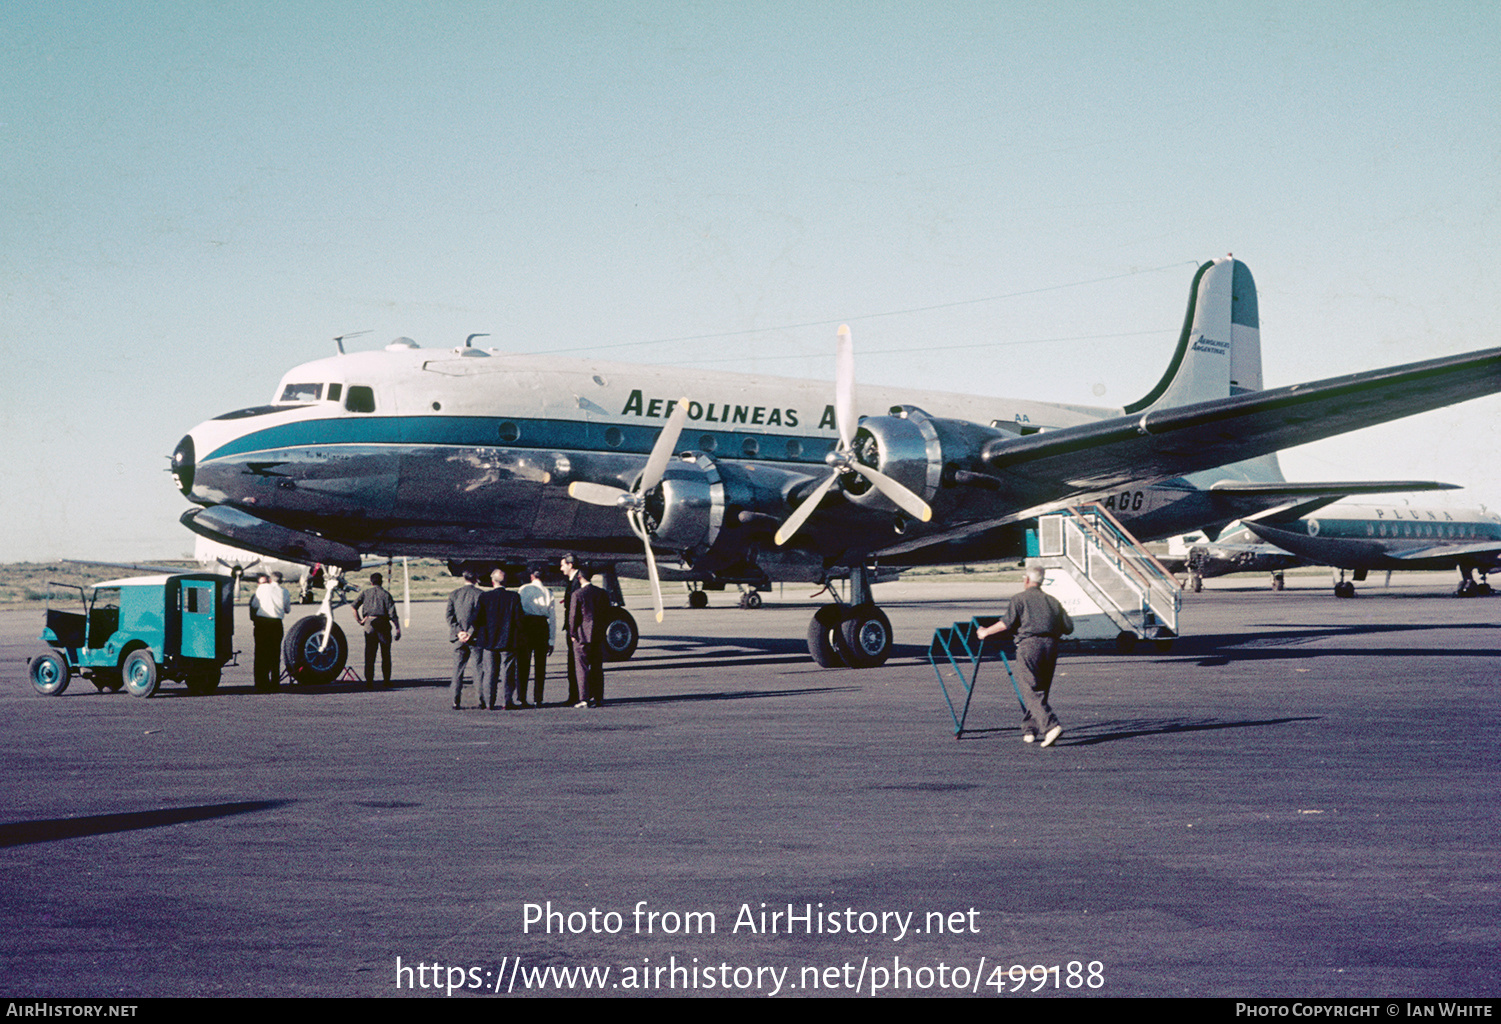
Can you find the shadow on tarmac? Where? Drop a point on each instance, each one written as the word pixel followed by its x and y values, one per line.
pixel 1089 735
pixel 22 833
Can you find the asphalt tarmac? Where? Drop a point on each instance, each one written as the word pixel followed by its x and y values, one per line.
pixel 1298 800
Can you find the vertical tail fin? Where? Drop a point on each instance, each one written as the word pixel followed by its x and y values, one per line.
pixel 1218 354
pixel 1219 351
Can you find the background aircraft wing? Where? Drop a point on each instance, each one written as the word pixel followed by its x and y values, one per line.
pixel 1475 549
pixel 1080 460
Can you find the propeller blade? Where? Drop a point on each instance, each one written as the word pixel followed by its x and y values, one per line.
pixel 662 450
pixel 326 609
pixel 596 494
pixel 406 593
pixel 656 584
pixel 803 511
pixel 844 388
pixel 908 502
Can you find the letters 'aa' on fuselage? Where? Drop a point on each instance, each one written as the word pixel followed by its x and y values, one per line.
pixel 463 453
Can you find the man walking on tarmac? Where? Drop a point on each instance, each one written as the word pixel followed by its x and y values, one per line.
pixel 1038 620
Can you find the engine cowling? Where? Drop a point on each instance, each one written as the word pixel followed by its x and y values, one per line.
pixel 686 511
pixel 706 510
pixel 925 454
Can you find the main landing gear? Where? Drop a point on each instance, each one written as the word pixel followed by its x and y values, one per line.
pixel 1345 588
pixel 854 635
pixel 1467 585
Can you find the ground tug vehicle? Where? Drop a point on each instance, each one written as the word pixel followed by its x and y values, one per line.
pixel 138 631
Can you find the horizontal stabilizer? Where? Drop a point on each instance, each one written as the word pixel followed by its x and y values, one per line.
pixel 1307 497
pixel 1342 488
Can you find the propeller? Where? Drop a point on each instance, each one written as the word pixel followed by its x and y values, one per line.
pixel 634 501
pixel 842 459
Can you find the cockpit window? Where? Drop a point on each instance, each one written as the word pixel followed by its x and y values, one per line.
pixel 302 393
pixel 334 391
pixel 361 399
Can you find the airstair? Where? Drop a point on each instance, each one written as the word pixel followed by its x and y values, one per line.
pixel 1109 584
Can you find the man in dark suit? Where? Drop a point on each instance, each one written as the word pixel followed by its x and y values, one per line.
pixel 463 608
pixel 498 631
pixel 588 618
pixel 569 568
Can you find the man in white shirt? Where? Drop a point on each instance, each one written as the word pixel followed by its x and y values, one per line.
pixel 539 625
pixel 268 607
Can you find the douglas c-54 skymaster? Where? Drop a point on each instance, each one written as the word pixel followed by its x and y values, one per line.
pixel 472 455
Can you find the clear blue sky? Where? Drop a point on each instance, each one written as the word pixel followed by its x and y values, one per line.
pixel 196 196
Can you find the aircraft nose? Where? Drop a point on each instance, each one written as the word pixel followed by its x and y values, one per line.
pixel 182 466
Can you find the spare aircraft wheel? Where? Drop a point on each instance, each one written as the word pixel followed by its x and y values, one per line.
pixel 824 641
pixel 49 674
pixel 866 632
pixel 621 635
pixel 308 660
pixel 141 675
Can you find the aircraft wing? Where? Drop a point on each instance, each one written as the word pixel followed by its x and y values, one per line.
pixel 1160 443
pixel 1052 469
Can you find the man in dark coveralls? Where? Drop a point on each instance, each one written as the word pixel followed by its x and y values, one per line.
pixel 375 610
pixel 1038 620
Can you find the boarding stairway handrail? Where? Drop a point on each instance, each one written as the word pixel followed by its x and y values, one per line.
pixel 1127 582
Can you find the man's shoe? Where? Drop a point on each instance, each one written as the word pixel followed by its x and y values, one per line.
pixel 1052 735
pixel 1029 737
pixel 582 704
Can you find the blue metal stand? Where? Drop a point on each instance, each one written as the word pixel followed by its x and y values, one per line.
pixel 958 644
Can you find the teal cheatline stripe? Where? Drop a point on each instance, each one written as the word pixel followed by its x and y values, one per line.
pixel 509 432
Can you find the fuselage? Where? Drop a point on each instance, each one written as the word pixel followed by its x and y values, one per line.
pixel 1350 536
pixel 464 453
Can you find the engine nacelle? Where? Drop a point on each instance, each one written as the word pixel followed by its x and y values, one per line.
pixel 700 508
pixel 924 454
pixel 686 511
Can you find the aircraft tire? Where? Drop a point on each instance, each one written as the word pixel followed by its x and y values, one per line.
pixel 306 664
pixel 698 599
pixel 49 673
pixel 142 678
pixel 823 629
pixel 1344 589
pixel 202 680
pixel 751 599
pixel 621 635
pixel 866 632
